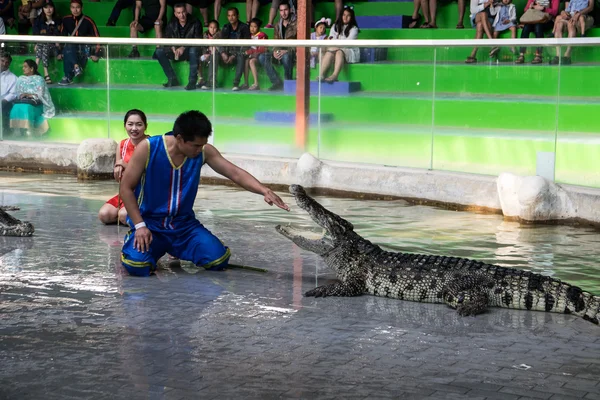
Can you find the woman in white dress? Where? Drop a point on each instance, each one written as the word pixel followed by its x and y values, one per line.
pixel 345 28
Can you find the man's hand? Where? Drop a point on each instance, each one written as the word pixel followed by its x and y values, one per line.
pixel 133 24
pixel 271 198
pixel 142 239
pixel 279 54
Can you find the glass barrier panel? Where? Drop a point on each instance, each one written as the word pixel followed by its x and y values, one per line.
pixel 255 101
pixel 494 112
pixel 578 128
pixel 378 109
pixel 56 92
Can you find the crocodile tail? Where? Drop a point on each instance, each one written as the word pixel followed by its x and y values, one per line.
pixel 583 304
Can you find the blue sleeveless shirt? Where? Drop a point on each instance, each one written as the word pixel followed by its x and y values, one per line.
pixel 166 193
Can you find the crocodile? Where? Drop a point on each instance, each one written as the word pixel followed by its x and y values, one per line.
pixel 466 285
pixel 11 226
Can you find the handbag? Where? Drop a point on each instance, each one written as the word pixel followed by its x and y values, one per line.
pixel 28 100
pixel 533 16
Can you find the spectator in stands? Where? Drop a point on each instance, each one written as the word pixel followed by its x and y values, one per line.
pixel 47 24
pixel 8 88
pixel 203 6
pixel 33 106
pixel 320 33
pixel 252 7
pixel 119 6
pixel 76 55
pixel 135 123
pixel 430 13
pixel 28 11
pixel 575 19
pixel 286 29
pixel 550 7
pixel 154 17
pixel 345 28
pixel 7 13
pixel 481 20
pixel 253 52
pixel 210 56
pixel 235 30
pixel 181 26
pixel 505 17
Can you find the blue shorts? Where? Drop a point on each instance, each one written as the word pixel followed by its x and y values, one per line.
pixel 192 243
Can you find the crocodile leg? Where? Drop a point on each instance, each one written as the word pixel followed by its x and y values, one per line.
pixel 349 288
pixel 468 294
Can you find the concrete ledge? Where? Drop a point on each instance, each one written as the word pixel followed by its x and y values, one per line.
pixel 533 198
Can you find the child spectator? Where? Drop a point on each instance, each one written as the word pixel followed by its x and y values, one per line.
pixel 574 19
pixel 255 51
pixel 47 24
pixel 480 20
pixel 506 18
pixel 135 123
pixel 213 32
pixel 320 33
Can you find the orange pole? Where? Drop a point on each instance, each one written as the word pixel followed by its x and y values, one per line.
pixel 303 74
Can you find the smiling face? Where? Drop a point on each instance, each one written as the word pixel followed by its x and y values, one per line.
pixel 135 127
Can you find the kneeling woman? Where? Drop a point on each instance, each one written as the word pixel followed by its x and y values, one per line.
pixel 135 124
pixel 33 106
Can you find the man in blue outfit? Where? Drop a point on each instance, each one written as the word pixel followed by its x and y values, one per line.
pixel 159 188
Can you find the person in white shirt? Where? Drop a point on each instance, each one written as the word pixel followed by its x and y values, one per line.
pixel 8 88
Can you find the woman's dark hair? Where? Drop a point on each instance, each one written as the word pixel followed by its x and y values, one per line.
pixel 339 23
pixel 191 125
pixel 137 112
pixel 32 64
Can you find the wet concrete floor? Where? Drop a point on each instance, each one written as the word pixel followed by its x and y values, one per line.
pixel 73 325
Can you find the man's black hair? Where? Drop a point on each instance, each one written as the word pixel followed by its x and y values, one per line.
pixel 191 125
pixel 179 5
pixel 237 12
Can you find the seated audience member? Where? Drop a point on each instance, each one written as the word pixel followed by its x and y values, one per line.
pixel 252 7
pixel 154 17
pixel 75 56
pixel 33 105
pixel 7 12
pixel 119 6
pixel 345 28
pixel 135 123
pixel 320 33
pixel 181 26
pixel 8 88
pixel 203 6
pixel 2 27
pixel 210 57
pixel 550 7
pixel 481 20
pixel 47 24
pixel 235 29
pixel 575 19
pixel 253 52
pixel 286 29
pixel 505 18
pixel 27 13
pixel 430 13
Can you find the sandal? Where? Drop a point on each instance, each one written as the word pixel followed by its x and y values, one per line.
pixel 470 60
pixel 254 87
pixel 48 80
pixel 520 60
pixel 414 22
pixel 425 25
pixel 537 60
pixel 460 26
pixel 494 51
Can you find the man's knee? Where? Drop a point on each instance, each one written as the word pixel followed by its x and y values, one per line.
pixel 135 262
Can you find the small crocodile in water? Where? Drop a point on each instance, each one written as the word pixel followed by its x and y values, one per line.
pixel 469 286
pixel 10 226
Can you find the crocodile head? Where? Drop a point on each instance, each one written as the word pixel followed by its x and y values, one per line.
pixel 338 231
pixel 11 226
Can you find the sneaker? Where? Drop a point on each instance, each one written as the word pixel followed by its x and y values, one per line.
pixel 206 87
pixel 77 71
pixel 269 26
pixel 190 86
pixel 65 81
pixel 235 88
pixel 134 54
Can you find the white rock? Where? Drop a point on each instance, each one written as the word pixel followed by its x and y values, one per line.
pixel 308 170
pixel 96 158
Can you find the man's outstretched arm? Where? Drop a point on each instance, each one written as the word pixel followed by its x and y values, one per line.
pixel 131 177
pixel 224 167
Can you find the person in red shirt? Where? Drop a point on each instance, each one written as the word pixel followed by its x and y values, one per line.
pixel 135 124
pixel 254 51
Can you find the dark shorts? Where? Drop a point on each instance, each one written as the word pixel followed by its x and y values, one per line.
pixel 147 21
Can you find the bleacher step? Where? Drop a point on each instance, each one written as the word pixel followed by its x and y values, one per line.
pixel 338 88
